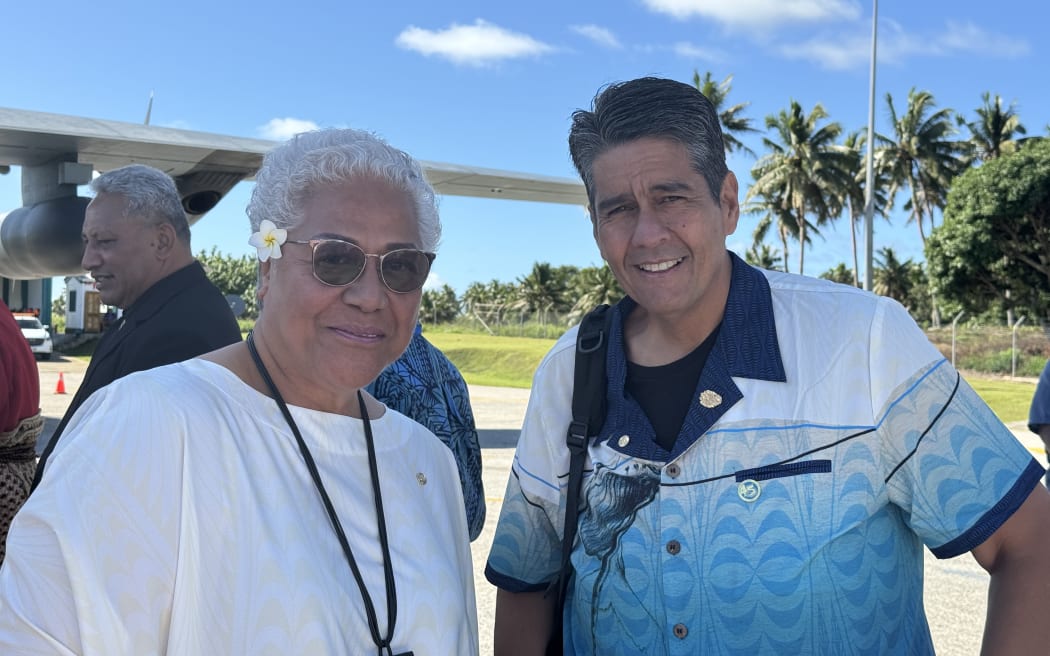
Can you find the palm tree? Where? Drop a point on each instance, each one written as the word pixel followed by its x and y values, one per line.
pixel 763 256
pixel 729 117
pixel 805 171
pixel 438 305
pixel 921 156
pixel 591 287
pixel 924 157
pixel 992 134
pixel 487 301
pixel 854 192
pixel 840 274
pixel 776 213
pixel 493 292
pixel 543 289
pixel 893 278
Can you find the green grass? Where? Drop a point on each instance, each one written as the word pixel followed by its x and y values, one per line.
pixel 82 353
pixel 496 361
pixel 1009 399
pixel 510 362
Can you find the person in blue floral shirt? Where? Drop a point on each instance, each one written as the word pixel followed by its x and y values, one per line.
pixel 425 386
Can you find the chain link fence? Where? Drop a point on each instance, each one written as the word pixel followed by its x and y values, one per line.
pixel 509 320
pixel 1020 352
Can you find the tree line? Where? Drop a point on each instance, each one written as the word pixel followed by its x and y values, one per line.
pixel 982 173
pixel 550 291
pixel 987 180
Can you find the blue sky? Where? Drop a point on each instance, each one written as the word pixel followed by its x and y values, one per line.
pixel 494 84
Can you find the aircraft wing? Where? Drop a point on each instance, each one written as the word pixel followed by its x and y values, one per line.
pixel 29 138
pixel 58 152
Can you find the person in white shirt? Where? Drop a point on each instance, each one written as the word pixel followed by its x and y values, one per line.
pixel 257 500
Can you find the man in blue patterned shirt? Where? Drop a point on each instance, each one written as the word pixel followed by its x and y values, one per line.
pixel 425 386
pixel 777 449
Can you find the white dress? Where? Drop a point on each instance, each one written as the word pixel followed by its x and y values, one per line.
pixel 177 517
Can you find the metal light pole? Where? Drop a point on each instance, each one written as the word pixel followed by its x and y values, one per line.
pixel 1013 349
pixel 869 195
pixel 955 322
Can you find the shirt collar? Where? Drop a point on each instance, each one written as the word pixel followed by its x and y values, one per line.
pixel 747 339
pixel 157 296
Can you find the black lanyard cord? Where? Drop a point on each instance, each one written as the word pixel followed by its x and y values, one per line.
pixel 382 642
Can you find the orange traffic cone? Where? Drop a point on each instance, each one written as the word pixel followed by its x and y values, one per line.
pixel 60 388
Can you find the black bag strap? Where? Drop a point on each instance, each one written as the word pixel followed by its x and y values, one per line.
pixel 588 415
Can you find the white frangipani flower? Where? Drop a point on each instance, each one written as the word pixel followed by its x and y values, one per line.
pixel 268 240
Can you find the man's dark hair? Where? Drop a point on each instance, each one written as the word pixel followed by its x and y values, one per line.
pixel 649 107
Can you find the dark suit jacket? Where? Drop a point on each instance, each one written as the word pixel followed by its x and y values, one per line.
pixel 178 318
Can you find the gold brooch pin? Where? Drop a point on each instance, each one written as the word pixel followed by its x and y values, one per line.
pixel 710 399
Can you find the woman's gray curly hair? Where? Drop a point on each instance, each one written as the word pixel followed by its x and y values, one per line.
pixel 311 159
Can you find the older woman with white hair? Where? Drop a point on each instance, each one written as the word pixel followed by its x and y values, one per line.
pixel 257 500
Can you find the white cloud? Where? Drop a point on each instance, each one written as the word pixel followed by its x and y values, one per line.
pixel 691 51
pixel 599 35
pixel 280 129
pixel 434 282
pixel 479 44
pixel 853 49
pixel 967 37
pixel 833 53
pixel 757 13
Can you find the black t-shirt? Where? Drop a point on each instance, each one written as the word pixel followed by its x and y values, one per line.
pixel 666 392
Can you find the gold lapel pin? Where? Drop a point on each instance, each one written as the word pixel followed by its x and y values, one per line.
pixel 710 399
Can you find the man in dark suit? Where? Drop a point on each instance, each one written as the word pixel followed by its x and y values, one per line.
pixel 137 248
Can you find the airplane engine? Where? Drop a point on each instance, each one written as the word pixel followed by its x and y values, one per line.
pixel 201 190
pixel 43 240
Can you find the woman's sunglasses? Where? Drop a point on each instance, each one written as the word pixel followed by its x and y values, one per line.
pixel 340 263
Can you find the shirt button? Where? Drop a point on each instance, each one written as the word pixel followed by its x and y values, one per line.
pixel 623 441
pixel 673 470
pixel 674 547
pixel 680 631
pixel 749 490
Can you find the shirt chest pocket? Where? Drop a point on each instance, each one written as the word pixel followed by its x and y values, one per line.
pixel 801 498
pixel 750 481
pixel 798 484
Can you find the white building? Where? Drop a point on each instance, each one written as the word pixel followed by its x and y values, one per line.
pixel 84 308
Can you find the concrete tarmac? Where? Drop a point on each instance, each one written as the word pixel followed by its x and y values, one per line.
pixel 955 590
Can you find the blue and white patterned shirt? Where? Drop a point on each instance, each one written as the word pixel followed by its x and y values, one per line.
pixel 828 441
pixel 425 386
